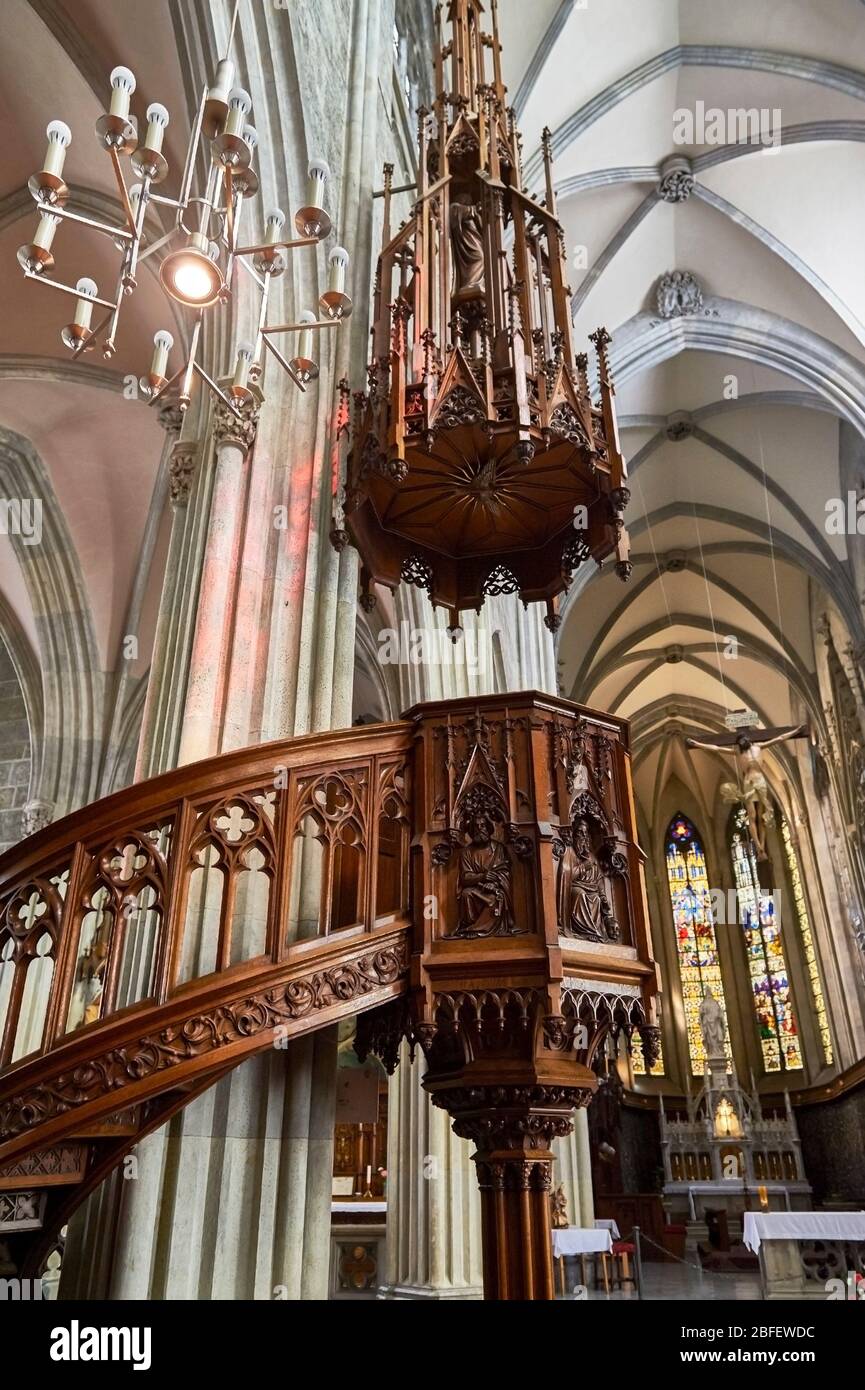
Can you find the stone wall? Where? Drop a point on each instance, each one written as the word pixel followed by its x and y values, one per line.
pixel 14 753
pixel 833 1148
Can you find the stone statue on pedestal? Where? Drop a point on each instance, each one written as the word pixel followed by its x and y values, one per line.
pixel 712 1025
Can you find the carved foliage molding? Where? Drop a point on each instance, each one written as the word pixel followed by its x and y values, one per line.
pixel 255 1016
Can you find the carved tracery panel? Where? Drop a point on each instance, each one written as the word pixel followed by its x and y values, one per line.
pixel 29 936
pixel 120 910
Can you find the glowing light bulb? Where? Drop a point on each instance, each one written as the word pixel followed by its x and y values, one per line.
pixel 192 280
pixel 190 275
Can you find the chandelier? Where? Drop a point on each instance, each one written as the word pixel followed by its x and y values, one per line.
pixel 478 463
pixel 201 251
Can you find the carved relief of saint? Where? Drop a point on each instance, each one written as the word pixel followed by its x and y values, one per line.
pixel 467 239
pixel 583 907
pixel 484 896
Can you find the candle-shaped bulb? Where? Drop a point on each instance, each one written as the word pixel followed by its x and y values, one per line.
pixel 274 223
pixel 250 136
pixel 86 291
pixel 239 107
pixel 44 237
pixel 312 220
pixel 338 262
pixel 304 362
pixel 319 174
pixel 222 82
pixel 162 345
pixel 243 362
pixel 335 302
pixel 157 120
pixel 59 140
pixel 122 87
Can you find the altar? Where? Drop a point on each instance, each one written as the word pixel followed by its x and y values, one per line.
pixel 724 1156
pixel 809 1254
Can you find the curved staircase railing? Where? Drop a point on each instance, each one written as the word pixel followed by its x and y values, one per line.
pixel 152 941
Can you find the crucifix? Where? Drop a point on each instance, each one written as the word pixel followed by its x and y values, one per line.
pixel 747 742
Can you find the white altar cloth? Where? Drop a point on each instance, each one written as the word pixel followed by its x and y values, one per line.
pixel 581 1240
pixel 343 1207
pixel 801 1225
pixel 606 1223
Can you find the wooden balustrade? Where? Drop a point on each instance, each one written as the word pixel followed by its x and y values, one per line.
pixel 227 885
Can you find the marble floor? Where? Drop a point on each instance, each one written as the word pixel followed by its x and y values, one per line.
pixel 671 1281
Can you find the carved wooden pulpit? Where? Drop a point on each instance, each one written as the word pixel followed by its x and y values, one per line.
pixel 531 945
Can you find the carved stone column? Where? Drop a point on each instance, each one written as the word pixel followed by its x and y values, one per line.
pixel 203 716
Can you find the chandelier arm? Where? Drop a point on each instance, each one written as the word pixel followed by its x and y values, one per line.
pixel 276 246
pixel 157 395
pixel 191 151
pixel 217 391
pixel 127 273
pixel 249 270
pixel 229 213
pixel 299 327
pixel 265 284
pixel 109 346
pixel 122 190
pixel 68 289
pixel 283 362
pixel 67 215
pixel 157 245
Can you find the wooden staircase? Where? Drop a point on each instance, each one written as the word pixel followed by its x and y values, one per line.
pixel 154 940
pixel 468 879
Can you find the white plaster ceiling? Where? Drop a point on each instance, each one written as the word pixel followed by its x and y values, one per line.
pixel 774 238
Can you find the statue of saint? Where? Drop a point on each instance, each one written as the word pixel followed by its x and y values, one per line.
pixel 467 239
pixel 484 881
pixel 583 906
pixel 559 1210
pixel 712 1025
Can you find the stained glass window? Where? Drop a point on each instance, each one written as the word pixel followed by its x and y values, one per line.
pixel 808 951
pixel 767 967
pixel 699 965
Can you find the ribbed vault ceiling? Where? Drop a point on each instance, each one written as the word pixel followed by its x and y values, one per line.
pixel 731 418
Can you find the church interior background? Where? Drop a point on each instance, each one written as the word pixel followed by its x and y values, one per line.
pixel 291 951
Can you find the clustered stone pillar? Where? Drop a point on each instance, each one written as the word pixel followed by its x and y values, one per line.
pixel 255 641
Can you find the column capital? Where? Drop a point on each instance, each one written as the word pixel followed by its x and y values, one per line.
pixel 229 429
pixel 35 815
pixel 181 470
pixel 170 417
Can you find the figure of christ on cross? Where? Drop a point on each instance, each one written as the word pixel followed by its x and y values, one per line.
pixel 747 742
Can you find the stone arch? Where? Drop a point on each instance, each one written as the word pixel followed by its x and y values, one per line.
pixel 72 696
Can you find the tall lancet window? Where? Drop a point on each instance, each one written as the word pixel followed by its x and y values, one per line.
pixel 767 966
pixel 696 943
pixel 808 947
